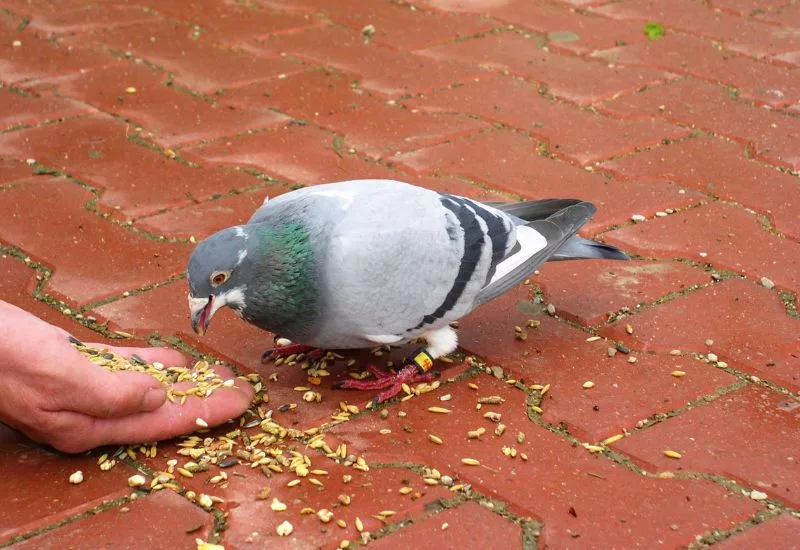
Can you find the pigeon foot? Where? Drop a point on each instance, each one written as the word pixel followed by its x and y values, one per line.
pixel 393 383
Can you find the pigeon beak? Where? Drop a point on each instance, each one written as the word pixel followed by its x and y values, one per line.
pixel 201 315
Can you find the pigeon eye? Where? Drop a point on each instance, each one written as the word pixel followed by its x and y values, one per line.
pixel 218 278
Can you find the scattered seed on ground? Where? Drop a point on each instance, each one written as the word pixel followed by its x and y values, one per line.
pixel 284 529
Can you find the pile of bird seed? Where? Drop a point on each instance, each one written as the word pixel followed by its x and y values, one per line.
pixel 204 378
pixel 255 440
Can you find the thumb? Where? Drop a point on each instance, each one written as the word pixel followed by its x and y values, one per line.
pixel 105 394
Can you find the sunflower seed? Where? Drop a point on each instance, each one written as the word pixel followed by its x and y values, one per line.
pixel 440 410
pixel 470 462
pixel 228 462
pixel 672 454
pixel 435 439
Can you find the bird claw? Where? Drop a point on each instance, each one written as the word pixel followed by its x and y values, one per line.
pixel 391 384
pixel 285 351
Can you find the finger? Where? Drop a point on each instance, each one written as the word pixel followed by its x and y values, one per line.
pixel 166 356
pixel 100 393
pixel 171 419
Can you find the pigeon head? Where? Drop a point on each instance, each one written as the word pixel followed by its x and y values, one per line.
pixel 218 269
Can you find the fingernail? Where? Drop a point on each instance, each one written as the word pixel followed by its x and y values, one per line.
pixel 153 399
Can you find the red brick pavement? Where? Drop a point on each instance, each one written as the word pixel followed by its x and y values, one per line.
pixel 129 129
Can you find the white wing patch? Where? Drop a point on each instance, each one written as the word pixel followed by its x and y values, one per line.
pixel 530 242
pixel 240 232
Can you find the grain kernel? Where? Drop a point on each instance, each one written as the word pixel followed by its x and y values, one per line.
pixel 612 439
pixel 277 505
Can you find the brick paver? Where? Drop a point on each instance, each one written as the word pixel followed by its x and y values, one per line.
pixel 129 130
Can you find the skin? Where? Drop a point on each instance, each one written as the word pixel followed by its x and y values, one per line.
pixel 52 394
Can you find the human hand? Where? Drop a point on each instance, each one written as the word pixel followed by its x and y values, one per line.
pixel 54 395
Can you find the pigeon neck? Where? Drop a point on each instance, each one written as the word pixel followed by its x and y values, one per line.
pixel 285 297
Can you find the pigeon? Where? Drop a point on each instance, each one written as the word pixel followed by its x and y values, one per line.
pixel 363 263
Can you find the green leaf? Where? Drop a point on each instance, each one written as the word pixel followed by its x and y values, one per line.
pixel 654 30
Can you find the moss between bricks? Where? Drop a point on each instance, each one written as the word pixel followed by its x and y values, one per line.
pixel 72 519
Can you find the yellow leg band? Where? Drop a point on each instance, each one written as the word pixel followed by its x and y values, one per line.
pixel 422 360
